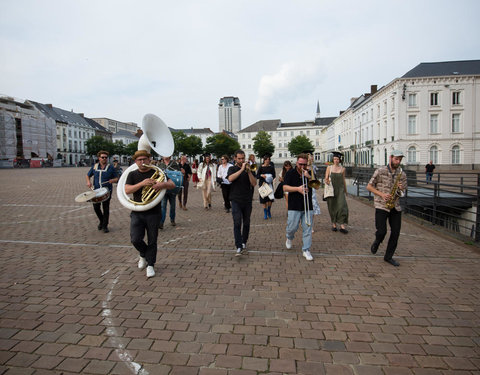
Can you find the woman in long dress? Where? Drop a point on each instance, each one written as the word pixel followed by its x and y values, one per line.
pixel 206 175
pixel 337 205
pixel 194 173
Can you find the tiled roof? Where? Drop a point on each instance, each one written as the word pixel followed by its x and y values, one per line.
pixel 265 125
pixel 447 68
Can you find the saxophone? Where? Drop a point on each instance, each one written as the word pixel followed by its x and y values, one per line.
pixel 394 193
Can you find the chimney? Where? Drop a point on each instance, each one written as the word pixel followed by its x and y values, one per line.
pixel 373 89
pixel 49 106
pixel 82 114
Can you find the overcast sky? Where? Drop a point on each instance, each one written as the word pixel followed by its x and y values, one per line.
pixel 176 59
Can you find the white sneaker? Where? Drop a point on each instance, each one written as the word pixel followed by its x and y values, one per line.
pixel 288 244
pixel 150 271
pixel 307 255
pixel 239 252
pixel 142 263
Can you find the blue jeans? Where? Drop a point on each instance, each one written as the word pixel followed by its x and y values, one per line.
pixel 429 176
pixel 241 211
pixel 293 221
pixel 168 198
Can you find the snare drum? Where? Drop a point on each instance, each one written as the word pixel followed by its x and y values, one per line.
pixel 101 195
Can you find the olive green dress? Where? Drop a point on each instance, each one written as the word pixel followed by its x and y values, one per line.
pixel 337 205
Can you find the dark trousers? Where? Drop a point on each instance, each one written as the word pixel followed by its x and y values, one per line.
pixel 394 218
pixel 183 193
pixel 139 223
pixel 241 212
pixel 226 195
pixel 103 217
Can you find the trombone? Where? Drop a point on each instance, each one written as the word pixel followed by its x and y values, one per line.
pixel 306 203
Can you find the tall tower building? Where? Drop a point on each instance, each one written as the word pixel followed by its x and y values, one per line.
pixel 229 114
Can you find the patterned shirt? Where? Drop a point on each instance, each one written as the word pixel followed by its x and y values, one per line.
pixel 383 180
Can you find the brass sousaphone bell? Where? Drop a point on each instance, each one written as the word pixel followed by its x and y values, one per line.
pixel 156 136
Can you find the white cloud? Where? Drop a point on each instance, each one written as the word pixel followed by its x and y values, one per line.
pixel 293 81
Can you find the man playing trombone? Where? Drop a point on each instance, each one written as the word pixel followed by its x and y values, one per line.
pixel 299 204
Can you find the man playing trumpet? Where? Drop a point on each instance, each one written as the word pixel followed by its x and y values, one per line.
pixel 299 204
pixel 388 183
pixel 145 221
pixel 242 182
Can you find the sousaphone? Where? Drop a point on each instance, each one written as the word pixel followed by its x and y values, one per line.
pixel 156 136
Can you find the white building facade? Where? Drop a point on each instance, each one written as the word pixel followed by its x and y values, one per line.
pixel 115 126
pixel 229 114
pixel 431 113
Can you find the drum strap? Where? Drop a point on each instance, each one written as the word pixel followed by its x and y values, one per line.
pixel 95 167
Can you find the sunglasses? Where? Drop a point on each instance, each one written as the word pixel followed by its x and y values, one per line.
pixel 103 157
pixel 303 165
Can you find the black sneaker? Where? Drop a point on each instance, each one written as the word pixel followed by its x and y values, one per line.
pixel 105 230
pixel 392 261
pixel 374 248
pixel 100 226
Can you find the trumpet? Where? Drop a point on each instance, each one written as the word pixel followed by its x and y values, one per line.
pixel 252 167
pixel 306 203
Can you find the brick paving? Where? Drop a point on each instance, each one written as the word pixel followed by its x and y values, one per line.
pixel 73 302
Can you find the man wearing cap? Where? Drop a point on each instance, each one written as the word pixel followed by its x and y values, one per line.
pixel 381 184
pixel 145 221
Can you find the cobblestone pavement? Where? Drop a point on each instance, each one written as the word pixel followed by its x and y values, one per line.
pixel 73 302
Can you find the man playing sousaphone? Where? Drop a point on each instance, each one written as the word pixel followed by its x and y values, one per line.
pixel 145 221
pixel 104 175
pixel 388 183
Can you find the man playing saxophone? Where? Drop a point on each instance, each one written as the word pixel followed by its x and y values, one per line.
pixel 388 183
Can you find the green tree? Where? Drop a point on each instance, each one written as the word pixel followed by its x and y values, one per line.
pixel 179 141
pixel 300 144
pixel 131 148
pixel 97 143
pixel 192 146
pixel 220 144
pixel 118 148
pixel 263 144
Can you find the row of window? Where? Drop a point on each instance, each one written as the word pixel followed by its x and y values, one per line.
pixel 433 154
pixel 434 128
pixel 290 133
pixel 434 99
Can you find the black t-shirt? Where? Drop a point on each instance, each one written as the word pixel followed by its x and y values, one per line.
pixel 429 168
pixel 241 190
pixel 134 178
pixel 187 169
pixel 296 200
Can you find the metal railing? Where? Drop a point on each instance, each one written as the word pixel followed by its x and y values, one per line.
pixel 451 200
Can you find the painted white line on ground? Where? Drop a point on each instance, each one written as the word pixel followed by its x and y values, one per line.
pixel 122 353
